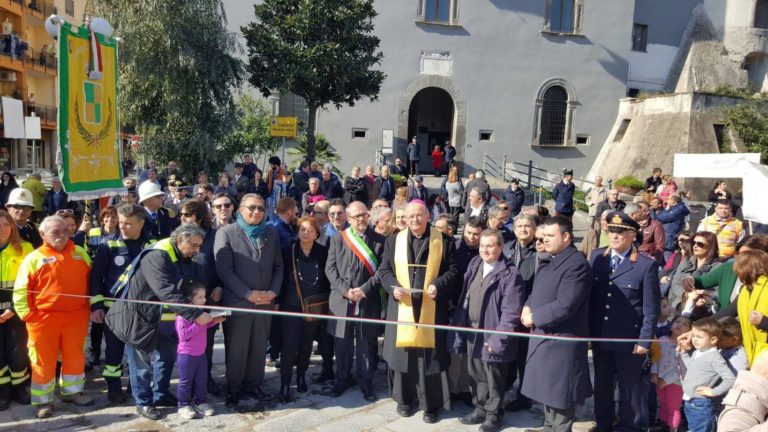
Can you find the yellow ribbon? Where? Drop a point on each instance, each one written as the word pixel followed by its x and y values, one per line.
pixel 409 336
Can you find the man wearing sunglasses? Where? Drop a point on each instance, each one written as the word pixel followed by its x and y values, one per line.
pixel 624 304
pixel 222 210
pixel 250 265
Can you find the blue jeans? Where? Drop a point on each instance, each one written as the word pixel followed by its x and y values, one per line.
pixel 150 373
pixel 701 414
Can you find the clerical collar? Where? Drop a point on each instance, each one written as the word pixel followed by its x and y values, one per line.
pixel 418 236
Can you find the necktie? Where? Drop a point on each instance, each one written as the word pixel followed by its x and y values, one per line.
pixel 615 260
pixel 153 216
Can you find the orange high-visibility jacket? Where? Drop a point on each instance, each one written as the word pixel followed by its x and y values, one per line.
pixel 47 273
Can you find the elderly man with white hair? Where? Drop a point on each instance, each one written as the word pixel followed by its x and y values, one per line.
pixel 50 296
pixel 418 272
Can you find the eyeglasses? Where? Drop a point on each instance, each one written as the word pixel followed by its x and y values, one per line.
pixel 254 208
pixel 700 244
pixel 539 239
pixel 361 216
pixel 335 214
pixel 65 212
pixel 225 205
pixel 17 207
pixel 184 214
pixel 312 213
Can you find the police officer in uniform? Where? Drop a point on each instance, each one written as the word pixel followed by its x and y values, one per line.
pixel 159 222
pixel 624 304
pixel 562 193
pixel 110 261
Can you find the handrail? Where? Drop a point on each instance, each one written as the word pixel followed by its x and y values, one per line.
pixel 533 181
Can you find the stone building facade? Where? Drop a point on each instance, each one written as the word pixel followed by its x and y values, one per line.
pixel 537 80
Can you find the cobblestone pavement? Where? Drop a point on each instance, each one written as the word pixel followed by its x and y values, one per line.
pixel 311 411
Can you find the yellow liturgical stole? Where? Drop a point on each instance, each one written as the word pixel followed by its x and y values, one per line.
pixel 413 336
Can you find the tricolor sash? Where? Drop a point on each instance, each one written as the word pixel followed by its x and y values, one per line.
pixel 360 249
pixel 413 336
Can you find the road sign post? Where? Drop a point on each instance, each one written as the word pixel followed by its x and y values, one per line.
pixel 283 127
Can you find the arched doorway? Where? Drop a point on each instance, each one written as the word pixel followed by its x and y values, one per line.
pixel 431 118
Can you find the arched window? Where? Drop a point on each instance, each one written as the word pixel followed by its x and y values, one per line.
pixel 553 116
pixel 761 14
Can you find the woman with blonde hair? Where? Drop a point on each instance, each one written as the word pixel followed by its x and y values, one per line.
pixel 398 222
pixel 13 331
pixel 751 268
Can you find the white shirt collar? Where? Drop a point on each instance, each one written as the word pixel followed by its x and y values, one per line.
pixel 488 267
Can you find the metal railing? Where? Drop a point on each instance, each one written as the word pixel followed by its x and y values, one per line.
pixel 41 59
pixel 42 6
pixel 47 114
pixel 534 180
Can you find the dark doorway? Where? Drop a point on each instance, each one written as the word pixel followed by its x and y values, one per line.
pixel 431 120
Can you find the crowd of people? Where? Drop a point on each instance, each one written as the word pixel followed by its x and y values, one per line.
pixel 673 315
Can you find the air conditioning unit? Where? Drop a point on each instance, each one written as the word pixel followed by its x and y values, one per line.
pixel 7 76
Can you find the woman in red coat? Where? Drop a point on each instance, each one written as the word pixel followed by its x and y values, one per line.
pixel 437 160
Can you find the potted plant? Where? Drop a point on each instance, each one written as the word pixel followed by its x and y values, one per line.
pixel 628 185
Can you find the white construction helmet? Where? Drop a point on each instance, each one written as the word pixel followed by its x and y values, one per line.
pixel 147 190
pixel 20 197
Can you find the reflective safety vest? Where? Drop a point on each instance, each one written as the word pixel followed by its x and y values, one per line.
pixel 10 261
pixel 728 233
pixel 167 246
pixel 45 274
pixel 119 259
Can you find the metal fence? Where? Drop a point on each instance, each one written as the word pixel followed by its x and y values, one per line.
pixel 533 179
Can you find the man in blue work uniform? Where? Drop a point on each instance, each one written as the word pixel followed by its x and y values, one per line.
pixel 562 193
pixel 109 263
pixel 624 304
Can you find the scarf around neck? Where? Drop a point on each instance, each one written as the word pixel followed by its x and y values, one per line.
pixel 253 232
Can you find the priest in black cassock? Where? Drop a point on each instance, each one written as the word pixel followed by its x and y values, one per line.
pixel 418 272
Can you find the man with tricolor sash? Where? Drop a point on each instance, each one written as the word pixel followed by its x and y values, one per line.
pixel 353 259
pixel 418 272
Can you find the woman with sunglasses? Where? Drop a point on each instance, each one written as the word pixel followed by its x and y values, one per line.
pixel 13 333
pixel 195 211
pixel 704 257
pixel 723 277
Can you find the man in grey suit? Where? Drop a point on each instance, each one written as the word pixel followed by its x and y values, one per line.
pixel 353 258
pixel 250 266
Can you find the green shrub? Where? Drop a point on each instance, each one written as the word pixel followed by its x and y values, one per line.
pixel 629 182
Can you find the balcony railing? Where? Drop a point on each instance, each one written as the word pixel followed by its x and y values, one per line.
pixel 13 46
pixel 47 114
pixel 44 7
pixel 40 59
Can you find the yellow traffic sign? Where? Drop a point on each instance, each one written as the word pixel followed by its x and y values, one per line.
pixel 285 127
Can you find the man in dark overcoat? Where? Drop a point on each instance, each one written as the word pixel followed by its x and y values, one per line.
pixel 563 193
pixel 418 272
pixel 625 304
pixel 557 372
pixel 353 258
